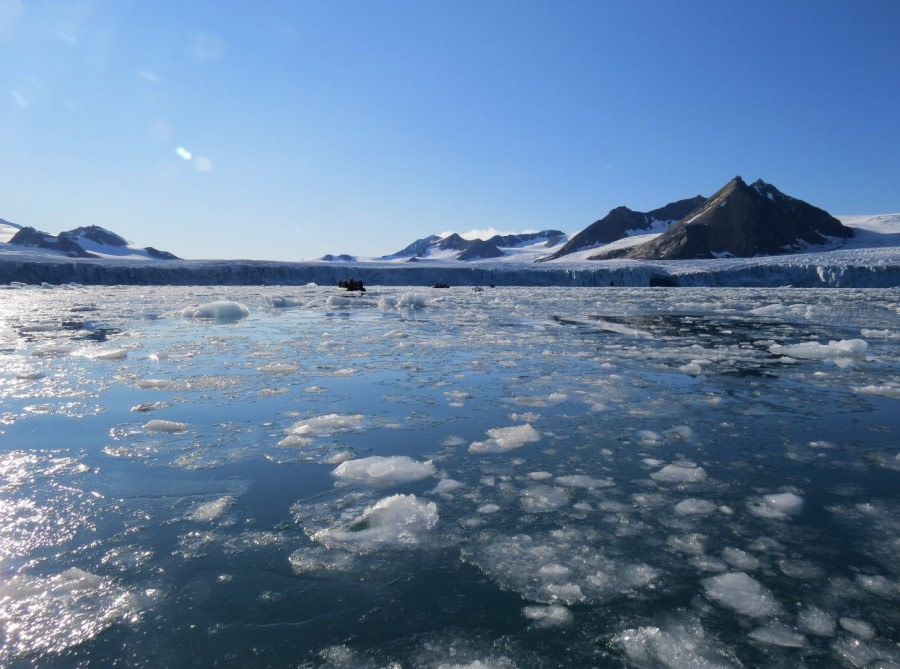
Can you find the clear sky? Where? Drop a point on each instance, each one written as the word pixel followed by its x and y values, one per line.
pixel 289 129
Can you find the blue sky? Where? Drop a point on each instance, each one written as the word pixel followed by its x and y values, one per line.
pixel 285 130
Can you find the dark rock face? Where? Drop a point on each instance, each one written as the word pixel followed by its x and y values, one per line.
pixel 417 248
pixel 480 249
pixel 618 221
pixel 160 255
pixel 341 258
pixel 30 237
pixel 743 221
pixel 68 242
pixel 96 234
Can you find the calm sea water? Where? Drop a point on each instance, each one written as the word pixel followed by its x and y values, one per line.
pixel 449 478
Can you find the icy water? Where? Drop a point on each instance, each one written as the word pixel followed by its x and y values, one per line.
pixel 449 478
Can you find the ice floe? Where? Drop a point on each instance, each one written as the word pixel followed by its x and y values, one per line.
pixel 740 592
pixel 384 471
pixel 399 520
pixel 503 439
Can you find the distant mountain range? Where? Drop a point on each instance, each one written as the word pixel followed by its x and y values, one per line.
pixel 85 242
pixel 739 221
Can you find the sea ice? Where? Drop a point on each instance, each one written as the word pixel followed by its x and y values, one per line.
pixel 778 635
pixel 159 425
pixel 742 593
pixel 412 301
pixel 280 368
pixel 778 506
pixel 211 510
pixel 222 311
pixel 543 498
pixel 399 520
pixel 446 486
pixel 833 350
pixel 814 620
pixel 857 627
pixel 548 616
pixel 684 472
pixel 694 507
pixel 678 646
pixel 326 425
pixel 502 439
pixel 384 471
pixel 583 481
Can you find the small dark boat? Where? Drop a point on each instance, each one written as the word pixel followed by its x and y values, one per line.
pixel 352 284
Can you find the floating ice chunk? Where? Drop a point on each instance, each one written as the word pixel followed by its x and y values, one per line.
pixel 384 471
pixel 211 510
pixel 386 304
pixel 282 302
pixel 679 646
pixel 446 486
pixel 861 654
pixel 814 620
pixel 582 481
pixel 540 476
pixel 833 350
pixel 221 310
pixel 488 508
pixel 548 616
pixel 412 301
pixel 399 520
pixel 326 425
pixel 694 507
pixel 857 627
pixel 543 498
pixel 649 437
pixel 878 585
pixel 154 384
pixel 707 563
pixel 740 559
pixel 692 544
pixel 802 569
pixel 110 354
pixel 295 441
pixel 685 472
pixel 679 432
pixel 778 635
pixel 503 439
pixel 337 301
pixel 884 390
pixel 777 505
pixel 742 593
pixel 279 368
pixel 159 425
pixel 692 368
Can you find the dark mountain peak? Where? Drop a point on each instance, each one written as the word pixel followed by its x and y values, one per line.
pixel 453 242
pixel 744 221
pixel 28 236
pixel 96 234
pixel 417 248
pixel 620 221
pixel 480 248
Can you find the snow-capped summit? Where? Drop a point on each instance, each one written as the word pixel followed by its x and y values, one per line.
pixel 456 247
pixel 83 242
pixel 743 221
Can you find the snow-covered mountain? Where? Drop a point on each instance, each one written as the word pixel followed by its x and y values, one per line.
pixel 623 222
pixel 84 242
pixel 742 221
pixel 527 245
